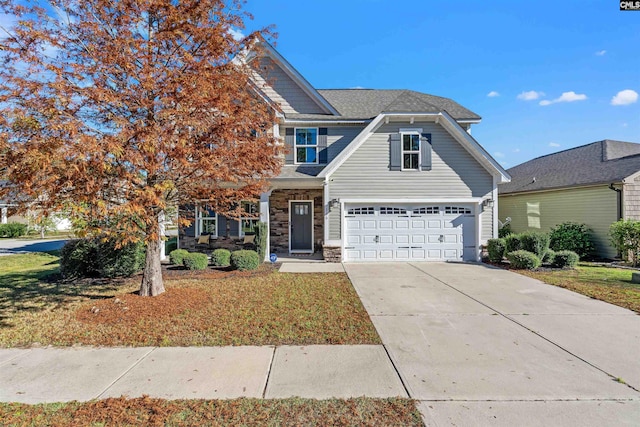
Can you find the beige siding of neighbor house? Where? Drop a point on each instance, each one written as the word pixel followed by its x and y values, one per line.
pixel 280 88
pixel 631 199
pixel 594 206
pixel 454 174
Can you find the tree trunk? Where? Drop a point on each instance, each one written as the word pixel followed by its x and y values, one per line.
pixel 152 284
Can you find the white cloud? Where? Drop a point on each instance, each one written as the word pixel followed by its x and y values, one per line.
pixel 625 124
pixel 554 144
pixel 356 87
pixel 601 52
pixel 516 150
pixel 530 95
pixel 565 97
pixel 625 97
pixel 493 94
pixel 498 154
pixel 236 34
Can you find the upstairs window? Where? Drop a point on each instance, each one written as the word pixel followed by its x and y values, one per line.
pixel 306 145
pixel 410 151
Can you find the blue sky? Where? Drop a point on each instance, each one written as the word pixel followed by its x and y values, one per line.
pixel 588 50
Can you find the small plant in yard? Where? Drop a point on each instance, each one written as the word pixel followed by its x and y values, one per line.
pixel 505 231
pixel 513 243
pixel 565 259
pixel 572 236
pixel 625 237
pixel 245 260
pixel 176 257
pixel 496 249
pixel 523 260
pixel 195 261
pixel 97 258
pixel 221 258
pixel 549 256
pixel 535 242
pixel 13 229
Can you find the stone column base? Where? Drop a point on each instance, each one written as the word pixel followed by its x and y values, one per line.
pixel 332 254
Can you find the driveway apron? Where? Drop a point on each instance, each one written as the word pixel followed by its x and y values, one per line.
pixel 463 333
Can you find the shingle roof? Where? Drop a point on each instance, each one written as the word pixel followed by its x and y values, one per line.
pixel 300 171
pixel 596 163
pixel 368 103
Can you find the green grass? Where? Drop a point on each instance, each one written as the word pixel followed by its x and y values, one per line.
pixel 612 285
pixel 239 412
pixel 210 308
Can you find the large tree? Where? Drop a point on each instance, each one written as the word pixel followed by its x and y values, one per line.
pixel 116 111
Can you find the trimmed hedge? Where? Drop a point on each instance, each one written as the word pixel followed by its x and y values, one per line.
pixel 523 260
pixel 549 256
pixel 97 258
pixel 195 261
pixel 244 260
pixel 513 243
pixel 221 258
pixel 565 259
pixel 176 257
pixel 496 249
pixel 505 231
pixel 572 236
pixel 535 242
pixel 13 229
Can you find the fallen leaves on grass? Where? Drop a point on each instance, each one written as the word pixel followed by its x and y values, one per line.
pixel 239 412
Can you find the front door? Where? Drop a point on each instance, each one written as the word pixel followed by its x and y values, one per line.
pixel 301 227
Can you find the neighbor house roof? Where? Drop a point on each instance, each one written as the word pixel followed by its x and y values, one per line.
pixel 601 162
pixel 366 104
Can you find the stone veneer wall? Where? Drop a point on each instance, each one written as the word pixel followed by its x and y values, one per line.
pixel 279 217
pixel 332 253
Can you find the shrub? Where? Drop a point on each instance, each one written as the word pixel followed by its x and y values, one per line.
pixel 79 258
pixel 261 239
pixel 195 261
pixel 505 231
pixel 176 257
pixel 566 259
pixel 523 260
pixel 221 258
pixel 625 236
pixel 513 243
pixel 571 236
pixel 549 256
pixel 13 229
pixel 245 260
pixel 496 248
pixel 119 262
pixel 536 242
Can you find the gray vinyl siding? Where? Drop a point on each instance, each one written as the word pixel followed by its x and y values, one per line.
pixel 486 225
pixel 334 223
pixel 454 174
pixel 281 88
pixel 338 137
pixel 631 199
pixel 594 206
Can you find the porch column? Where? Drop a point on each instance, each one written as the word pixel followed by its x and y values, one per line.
pixel 3 215
pixel 264 217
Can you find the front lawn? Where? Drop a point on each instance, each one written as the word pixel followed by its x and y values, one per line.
pixel 239 412
pixel 612 285
pixel 211 308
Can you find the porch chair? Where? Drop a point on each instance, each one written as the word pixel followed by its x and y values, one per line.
pixel 204 242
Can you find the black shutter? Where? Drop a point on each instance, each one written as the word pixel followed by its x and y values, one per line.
pixel 425 151
pixel 222 226
pixel 289 146
pixel 234 227
pixel 395 149
pixel 188 212
pixel 322 146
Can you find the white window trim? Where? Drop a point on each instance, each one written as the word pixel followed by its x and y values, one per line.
pixel 295 147
pixel 199 223
pixel 404 132
pixel 257 218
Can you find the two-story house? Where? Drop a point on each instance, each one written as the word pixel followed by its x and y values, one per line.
pixel 371 175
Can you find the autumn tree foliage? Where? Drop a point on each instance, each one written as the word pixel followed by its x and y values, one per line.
pixel 116 111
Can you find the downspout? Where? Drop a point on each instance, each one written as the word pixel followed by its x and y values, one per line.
pixel 619 197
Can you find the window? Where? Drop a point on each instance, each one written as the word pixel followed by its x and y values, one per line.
pixel 361 211
pixel 306 145
pixel 207 223
pixel 410 151
pixel 457 210
pixel 250 218
pixel 430 210
pixel 392 211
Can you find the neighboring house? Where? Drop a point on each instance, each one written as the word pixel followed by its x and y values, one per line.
pixel 595 184
pixel 370 175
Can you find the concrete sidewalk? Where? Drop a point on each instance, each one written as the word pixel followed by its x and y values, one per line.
pixel 63 374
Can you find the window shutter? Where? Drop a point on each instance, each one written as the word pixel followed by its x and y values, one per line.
pixel 191 229
pixel 222 226
pixel 395 163
pixel 322 146
pixel 234 227
pixel 425 151
pixel 289 145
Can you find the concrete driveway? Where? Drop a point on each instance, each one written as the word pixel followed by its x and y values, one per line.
pixel 484 346
pixel 13 246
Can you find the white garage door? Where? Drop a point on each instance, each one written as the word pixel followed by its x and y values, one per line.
pixel 410 233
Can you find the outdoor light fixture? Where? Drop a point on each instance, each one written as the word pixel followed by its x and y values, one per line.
pixel 487 203
pixel 335 203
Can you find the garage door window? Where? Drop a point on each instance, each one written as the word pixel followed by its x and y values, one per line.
pixel 369 210
pixel 392 211
pixel 457 210
pixel 429 210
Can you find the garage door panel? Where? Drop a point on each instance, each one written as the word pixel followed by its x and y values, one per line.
pixel 385 224
pixel 402 224
pixel 433 238
pixel 434 254
pixel 371 254
pixel 386 254
pixel 386 239
pixel 402 254
pixel 450 254
pixel 450 238
pixel 418 224
pixel 418 254
pixel 418 238
pixel 402 239
pixel 369 224
pixel 434 224
pixel 353 224
pixel 354 240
